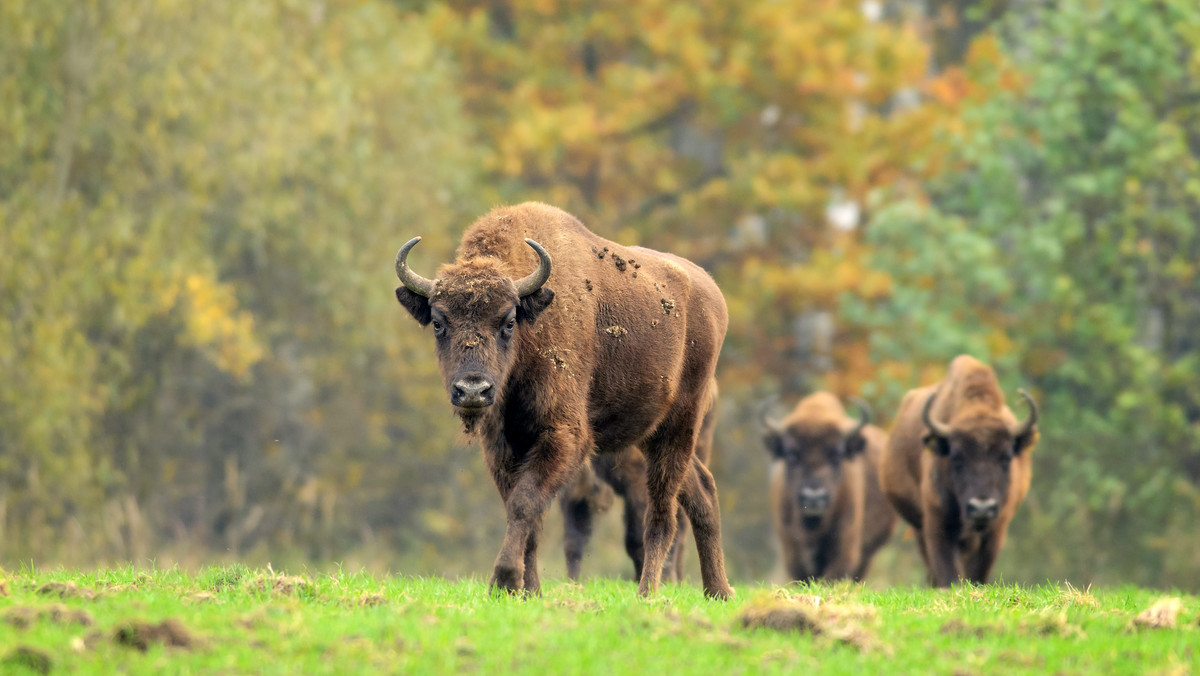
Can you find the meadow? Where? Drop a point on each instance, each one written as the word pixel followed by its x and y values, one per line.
pixel 235 619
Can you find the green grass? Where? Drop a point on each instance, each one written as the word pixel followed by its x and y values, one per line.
pixel 241 620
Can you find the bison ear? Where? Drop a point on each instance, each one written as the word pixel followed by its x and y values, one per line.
pixel 416 304
pixel 1025 441
pixel 532 305
pixel 774 443
pixel 853 445
pixel 939 445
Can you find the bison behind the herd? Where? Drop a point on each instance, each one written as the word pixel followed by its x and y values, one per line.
pixel 584 367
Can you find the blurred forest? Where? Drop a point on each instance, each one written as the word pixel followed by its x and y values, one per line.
pixel 200 203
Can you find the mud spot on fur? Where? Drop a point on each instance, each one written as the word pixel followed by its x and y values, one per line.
pixel 1163 614
pixel 588 282
pixel 668 304
pixel 616 331
pixel 654 322
pixel 635 265
pixel 65 590
pixel 28 658
pixel 635 274
pixel 141 635
pixel 620 262
pixel 25 616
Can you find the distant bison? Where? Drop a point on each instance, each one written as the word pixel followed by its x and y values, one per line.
pixel 829 513
pixel 619 353
pixel 624 474
pixel 957 466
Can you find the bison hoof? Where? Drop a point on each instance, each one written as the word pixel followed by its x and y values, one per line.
pixel 508 578
pixel 721 593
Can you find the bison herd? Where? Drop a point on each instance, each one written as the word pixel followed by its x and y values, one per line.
pixel 586 369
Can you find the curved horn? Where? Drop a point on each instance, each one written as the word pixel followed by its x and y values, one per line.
pixel 937 427
pixel 412 281
pixel 535 280
pixel 864 417
pixel 764 408
pixel 1024 427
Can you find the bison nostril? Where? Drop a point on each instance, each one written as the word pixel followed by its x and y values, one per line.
pixel 979 508
pixel 471 393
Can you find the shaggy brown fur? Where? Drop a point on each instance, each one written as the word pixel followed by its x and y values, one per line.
pixel 625 474
pixel 829 513
pixel 598 358
pixel 930 479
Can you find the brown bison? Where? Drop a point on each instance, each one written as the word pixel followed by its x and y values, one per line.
pixel 829 513
pixel 624 474
pixel 957 466
pixel 609 347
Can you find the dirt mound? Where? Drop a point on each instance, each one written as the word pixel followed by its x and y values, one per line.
pixel 25 616
pixel 64 590
pixel 29 658
pixel 141 635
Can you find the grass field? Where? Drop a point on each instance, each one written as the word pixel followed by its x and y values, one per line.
pixel 234 619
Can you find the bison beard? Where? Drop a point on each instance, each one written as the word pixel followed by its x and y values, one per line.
pixel 542 377
pixel 958 463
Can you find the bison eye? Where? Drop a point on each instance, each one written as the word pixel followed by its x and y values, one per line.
pixel 508 328
pixel 438 328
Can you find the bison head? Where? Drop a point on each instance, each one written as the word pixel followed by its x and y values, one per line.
pixel 477 312
pixel 813 454
pixel 978 452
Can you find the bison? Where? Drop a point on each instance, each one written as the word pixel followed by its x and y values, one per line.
pixel 624 474
pixel 828 511
pixel 605 348
pixel 957 466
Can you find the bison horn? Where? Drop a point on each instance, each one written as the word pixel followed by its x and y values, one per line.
pixel 937 427
pixel 411 280
pixel 535 280
pixel 764 409
pixel 864 415
pixel 1024 427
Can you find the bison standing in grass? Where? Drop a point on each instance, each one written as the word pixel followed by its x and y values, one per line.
pixel 828 510
pixel 605 348
pixel 957 466
pixel 624 473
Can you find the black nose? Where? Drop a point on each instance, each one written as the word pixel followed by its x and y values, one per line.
pixel 980 509
pixel 813 498
pixel 472 393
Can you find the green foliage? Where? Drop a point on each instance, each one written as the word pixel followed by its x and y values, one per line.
pixel 356 623
pixel 199 208
pixel 1063 249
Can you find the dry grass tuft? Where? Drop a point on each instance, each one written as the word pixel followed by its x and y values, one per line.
pixel 1162 614
pixel 808 614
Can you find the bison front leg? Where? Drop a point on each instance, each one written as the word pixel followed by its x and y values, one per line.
pixel 942 557
pixel 979 565
pixel 547 467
